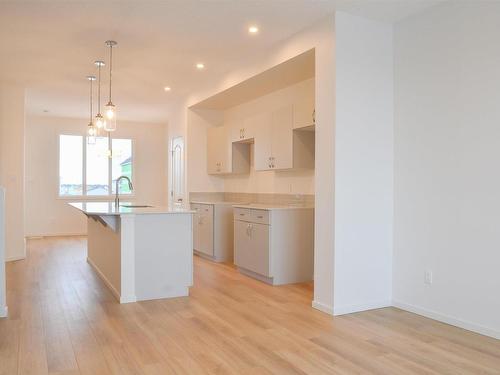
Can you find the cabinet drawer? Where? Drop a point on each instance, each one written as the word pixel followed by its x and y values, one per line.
pixel 242 214
pixel 206 209
pixel 259 216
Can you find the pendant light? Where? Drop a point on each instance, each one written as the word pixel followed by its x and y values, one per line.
pixel 110 111
pixel 100 122
pixel 91 129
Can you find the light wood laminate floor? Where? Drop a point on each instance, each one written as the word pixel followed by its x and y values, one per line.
pixel 63 320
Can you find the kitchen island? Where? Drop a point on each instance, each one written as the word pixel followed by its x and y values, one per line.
pixel 140 252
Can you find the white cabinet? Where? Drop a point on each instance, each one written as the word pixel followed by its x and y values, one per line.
pixel 274 245
pixel 224 157
pixel 213 230
pixel 253 247
pixel 304 113
pixel 278 146
pixel 243 131
pixel 203 229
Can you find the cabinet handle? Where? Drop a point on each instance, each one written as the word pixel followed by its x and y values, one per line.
pixel 260 217
pixel 314 116
pixel 242 214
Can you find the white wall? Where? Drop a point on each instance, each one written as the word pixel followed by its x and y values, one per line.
pixel 46 213
pixel 447 157
pixel 12 130
pixel 281 182
pixel 3 291
pixel 321 37
pixel 363 164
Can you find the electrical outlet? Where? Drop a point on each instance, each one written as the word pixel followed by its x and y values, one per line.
pixel 428 277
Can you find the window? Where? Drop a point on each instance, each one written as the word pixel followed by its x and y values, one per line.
pixel 87 169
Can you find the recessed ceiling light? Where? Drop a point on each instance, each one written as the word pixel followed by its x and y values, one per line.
pixel 167 88
pixel 253 29
pixel 200 66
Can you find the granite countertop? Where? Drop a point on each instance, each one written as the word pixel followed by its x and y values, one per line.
pixel 109 208
pixel 215 202
pixel 272 206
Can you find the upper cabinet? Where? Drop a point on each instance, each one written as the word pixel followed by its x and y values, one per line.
pixel 278 146
pixel 223 156
pixel 304 113
pixel 243 131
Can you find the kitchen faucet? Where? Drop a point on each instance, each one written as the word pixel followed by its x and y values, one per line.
pixel 117 189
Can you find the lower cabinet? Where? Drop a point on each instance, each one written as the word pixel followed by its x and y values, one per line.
pixel 274 245
pixel 203 229
pixel 213 231
pixel 252 247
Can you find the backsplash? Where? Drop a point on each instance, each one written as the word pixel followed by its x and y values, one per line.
pixel 264 198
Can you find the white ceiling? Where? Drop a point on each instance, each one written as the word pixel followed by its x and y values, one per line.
pixel 49 46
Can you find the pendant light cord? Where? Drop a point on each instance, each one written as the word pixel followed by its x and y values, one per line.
pixel 90 101
pixel 110 68
pixel 99 91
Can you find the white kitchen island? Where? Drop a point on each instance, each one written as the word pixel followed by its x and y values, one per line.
pixel 141 253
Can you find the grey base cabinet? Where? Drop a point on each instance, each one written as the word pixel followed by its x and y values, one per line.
pixel 213 230
pixel 274 245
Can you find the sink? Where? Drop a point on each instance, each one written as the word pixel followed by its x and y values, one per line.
pixel 135 205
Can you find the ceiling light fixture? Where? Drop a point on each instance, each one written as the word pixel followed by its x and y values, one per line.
pixel 200 66
pixel 100 122
pixel 253 29
pixel 167 88
pixel 110 107
pixel 91 129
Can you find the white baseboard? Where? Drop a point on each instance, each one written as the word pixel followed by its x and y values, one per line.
pixel 121 299
pixel 349 309
pixel 4 311
pixel 14 258
pixel 448 319
pixel 322 307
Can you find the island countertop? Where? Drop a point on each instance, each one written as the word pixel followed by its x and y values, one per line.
pixel 109 208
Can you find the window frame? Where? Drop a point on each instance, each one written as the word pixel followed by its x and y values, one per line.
pixel 84 196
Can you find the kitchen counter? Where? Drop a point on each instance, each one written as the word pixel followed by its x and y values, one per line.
pixel 270 206
pixel 214 202
pixel 109 208
pixel 141 253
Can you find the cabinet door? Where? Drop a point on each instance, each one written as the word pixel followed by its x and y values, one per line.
pixel 206 230
pixel 251 245
pixel 282 138
pixel 214 149
pixel 218 151
pixel 196 232
pixel 237 131
pixel 241 243
pixel 303 113
pixel 262 145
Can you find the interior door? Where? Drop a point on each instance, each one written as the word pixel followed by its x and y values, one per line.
pixel 282 138
pixel 177 171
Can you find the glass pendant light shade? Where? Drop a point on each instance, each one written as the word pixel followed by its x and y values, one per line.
pixel 110 108
pixel 91 134
pixel 100 122
pixel 110 111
